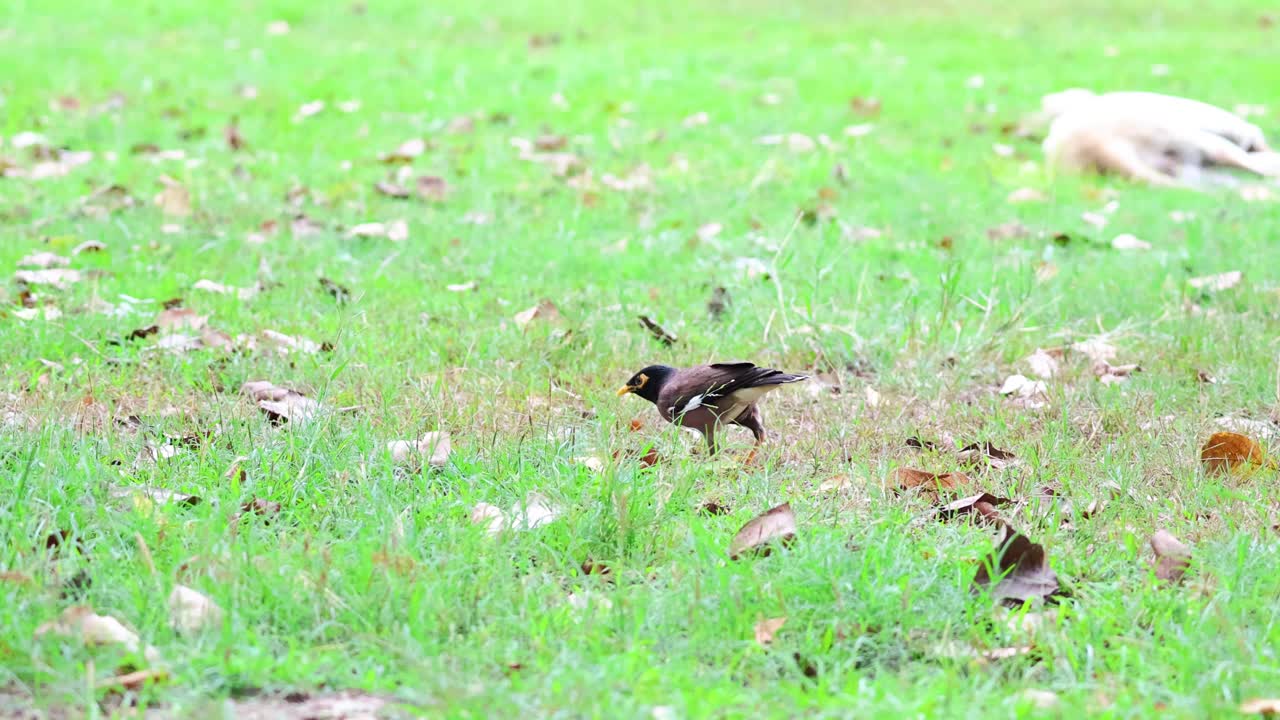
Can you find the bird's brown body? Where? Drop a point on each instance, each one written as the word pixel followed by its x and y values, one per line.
pixel 707 396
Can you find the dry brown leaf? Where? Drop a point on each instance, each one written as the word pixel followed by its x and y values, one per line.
pixel 340 294
pixel 866 106
pixel 1109 374
pixel 1172 556
pixel 1016 571
pixel 1227 452
pixel 984 453
pixel 231 133
pixel 133 680
pixel 432 188
pixel 544 310
pixel 191 611
pixel 758 536
pixel 1008 231
pixel 931 485
pixel 657 331
pixel 173 200
pixel 434 446
pixel 288 343
pixel 1265 707
pixel 1215 283
pixel 766 629
pixel 179 318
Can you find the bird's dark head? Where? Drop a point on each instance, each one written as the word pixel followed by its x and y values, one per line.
pixel 648 382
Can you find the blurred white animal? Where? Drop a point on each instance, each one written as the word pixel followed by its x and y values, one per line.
pixel 1159 139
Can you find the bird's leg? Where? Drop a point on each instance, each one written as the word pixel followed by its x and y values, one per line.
pixel 751 421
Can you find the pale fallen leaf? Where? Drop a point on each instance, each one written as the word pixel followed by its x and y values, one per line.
pixel 89 246
pixel 859 130
pixel 1215 283
pixel 467 286
pixel 872 396
pixel 44 260
pixel 490 516
pixel 180 318
pixel 1043 364
pixel 1126 241
pixel 766 629
pixel 220 289
pixel 533 513
pixel 1038 699
pixel 1026 195
pixel 435 446
pixel 697 119
pixel 1261 706
pixel 1172 556
pixel 1097 220
pixel 278 27
pixel 398 231
pixel 1096 349
pixel 709 231
pixel 288 343
pixel 406 152
pixel 191 611
pixel 544 310
pixel 94 629
pixel 1258 428
pixel 1022 387
pixel 59 278
pixel 281 404
pixel 760 533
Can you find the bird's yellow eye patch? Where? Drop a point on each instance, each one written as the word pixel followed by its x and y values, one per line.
pixel 629 388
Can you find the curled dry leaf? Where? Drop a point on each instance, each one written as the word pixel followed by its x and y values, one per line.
pixel 434 446
pixel 1215 283
pixel 1016 571
pixel 766 629
pixel 544 310
pixel 757 537
pixel 1172 556
pixel 191 611
pixel 281 404
pixel 1044 363
pixel 391 190
pixel 96 630
pixel 979 508
pixel 1109 374
pixel 657 331
pixel 132 680
pixel 179 318
pixel 1229 452
pixel 984 453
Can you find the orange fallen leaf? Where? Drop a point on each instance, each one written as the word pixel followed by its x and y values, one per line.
pixel 757 536
pixel 1228 452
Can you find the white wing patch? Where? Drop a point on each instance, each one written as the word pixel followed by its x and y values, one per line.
pixel 694 403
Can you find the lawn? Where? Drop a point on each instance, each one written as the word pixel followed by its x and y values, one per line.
pixel 843 171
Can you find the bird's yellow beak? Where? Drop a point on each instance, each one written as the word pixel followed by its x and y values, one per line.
pixel 625 389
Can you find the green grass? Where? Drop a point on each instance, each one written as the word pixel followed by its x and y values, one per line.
pixel 373 578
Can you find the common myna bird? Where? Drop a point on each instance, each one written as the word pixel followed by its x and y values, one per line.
pixel 705 396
